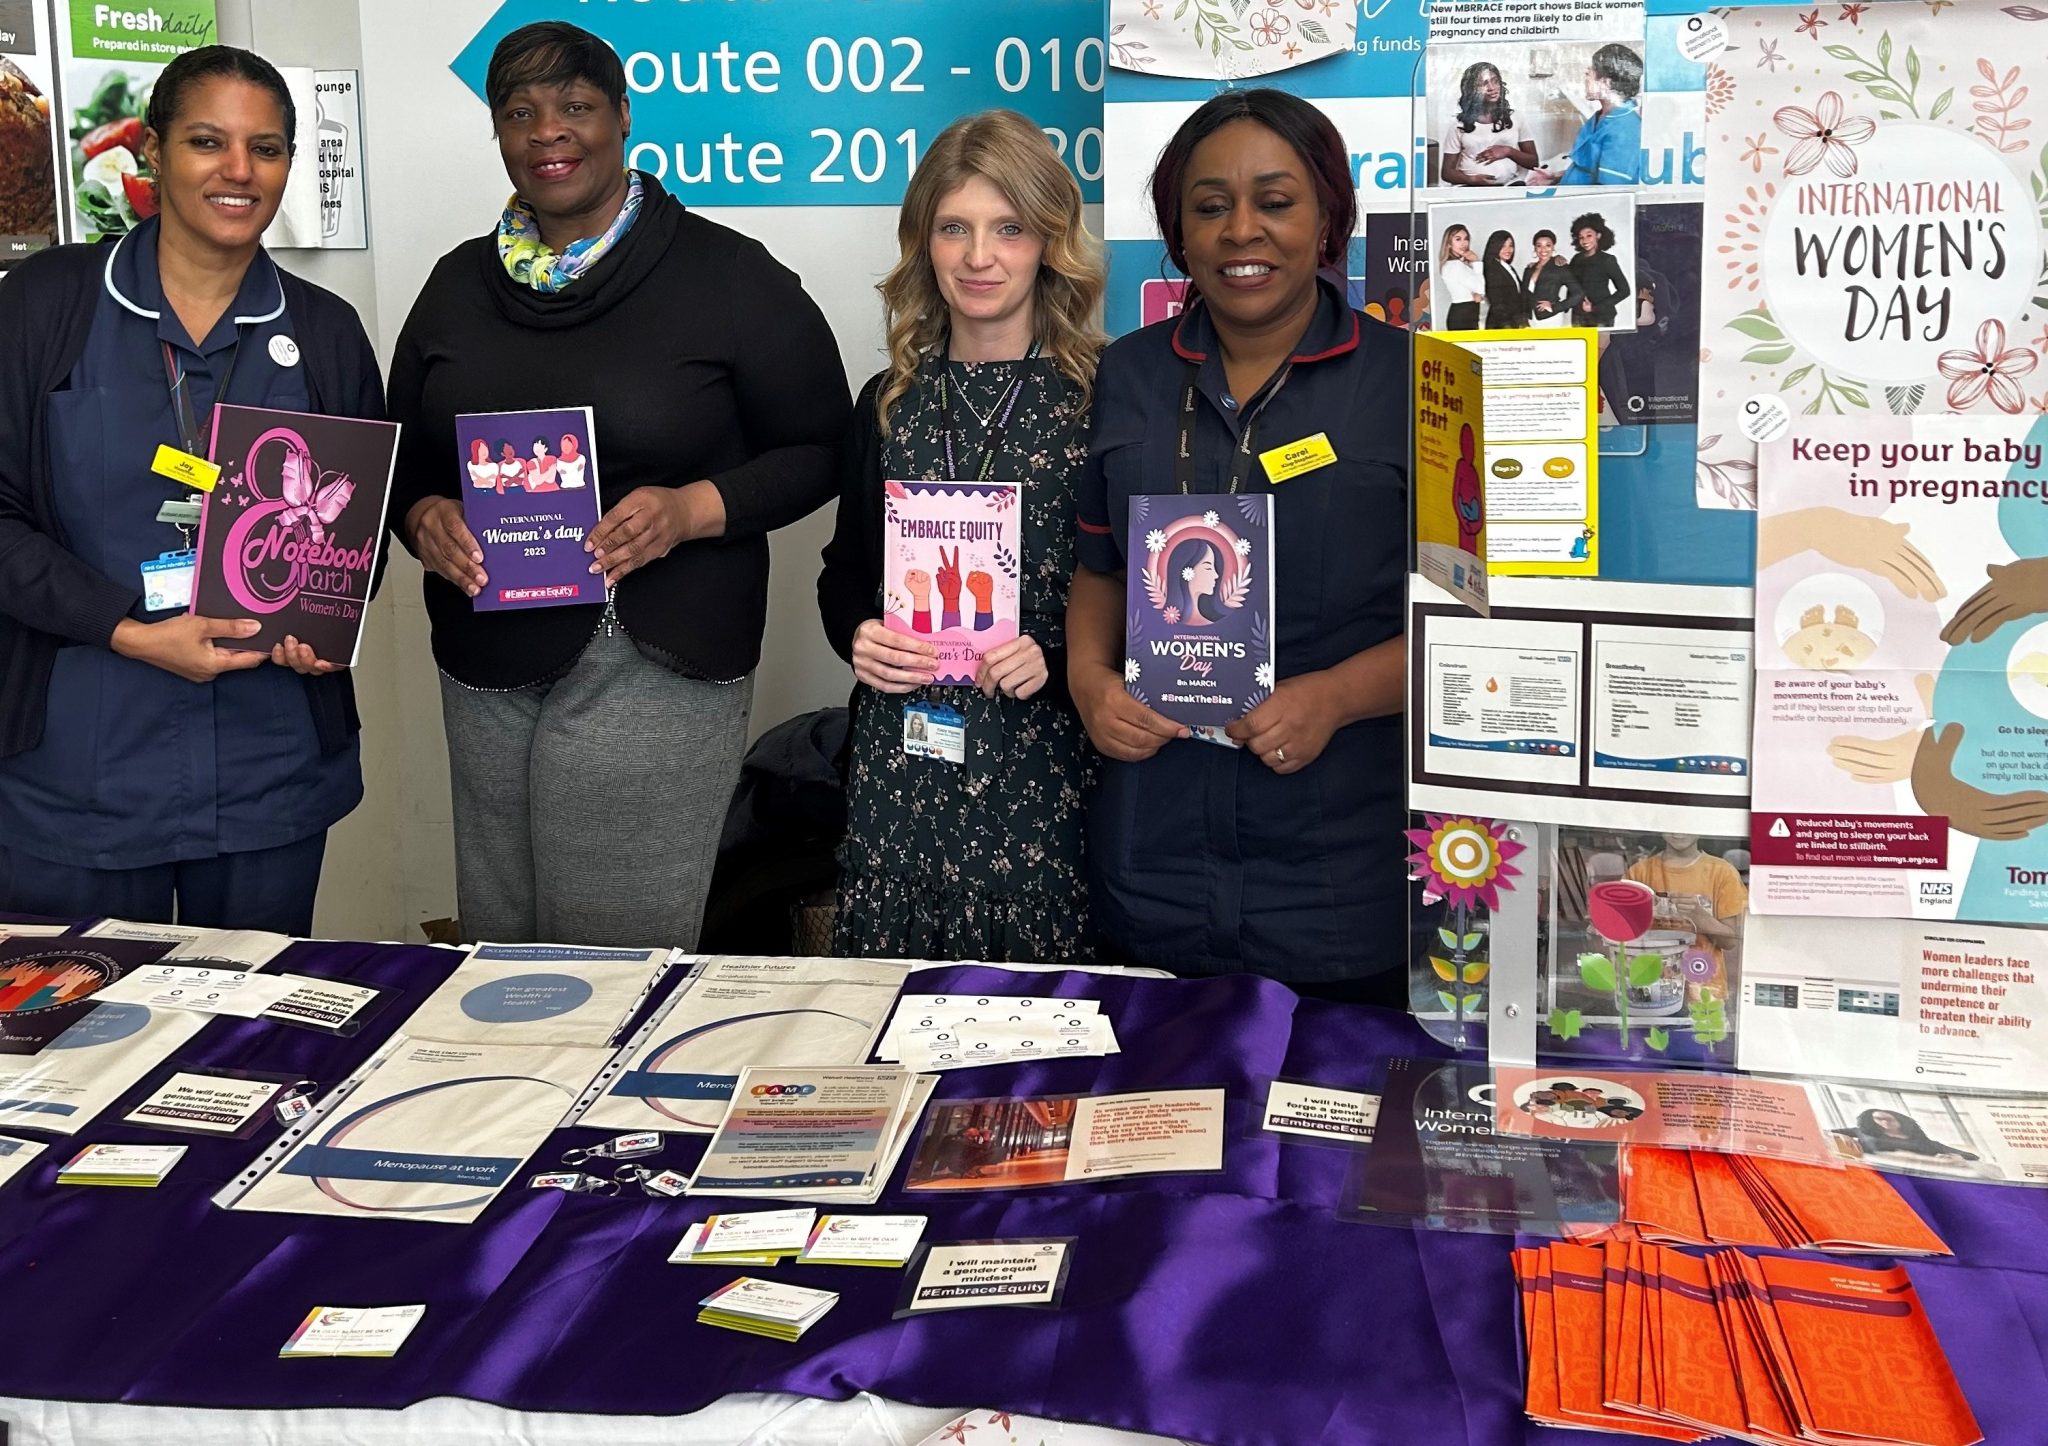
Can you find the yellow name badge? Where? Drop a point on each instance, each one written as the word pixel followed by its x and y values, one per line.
pixel 1296 458
pixel 180 466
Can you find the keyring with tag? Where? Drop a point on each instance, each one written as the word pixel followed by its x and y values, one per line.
pixel 572 1182
pixel 631 1175
pixel 622 1147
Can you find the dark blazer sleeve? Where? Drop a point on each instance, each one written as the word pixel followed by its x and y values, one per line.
pixel 415 476
pixel 852 574
pixel 42 584
pixel 791 393
pixel 1605 274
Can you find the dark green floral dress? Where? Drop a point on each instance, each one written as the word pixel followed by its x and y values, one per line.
pixel 981 860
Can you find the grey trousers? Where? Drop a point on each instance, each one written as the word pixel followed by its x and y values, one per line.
pixel 588 810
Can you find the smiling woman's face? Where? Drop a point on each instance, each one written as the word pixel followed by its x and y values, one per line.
pixel 1251 227
pixel 564 147
pixel 222 167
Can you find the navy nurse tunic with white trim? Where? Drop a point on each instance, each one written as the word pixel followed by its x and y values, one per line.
pixel 137 766
pixel 1202 859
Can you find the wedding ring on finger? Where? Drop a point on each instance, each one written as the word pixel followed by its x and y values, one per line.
pixel 1279 755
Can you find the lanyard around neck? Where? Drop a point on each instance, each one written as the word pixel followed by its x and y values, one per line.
pixel 998 424
pixel 1241 454
pixel 191 435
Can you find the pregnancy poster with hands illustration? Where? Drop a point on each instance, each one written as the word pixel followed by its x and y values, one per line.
pixel 1901 745
pixel 950 569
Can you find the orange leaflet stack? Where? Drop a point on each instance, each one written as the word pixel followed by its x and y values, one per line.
pixel 1688 1197
pixel 1649 1340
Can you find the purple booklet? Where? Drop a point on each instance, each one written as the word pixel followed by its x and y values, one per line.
pixel 47 985
pixel 530 494
pixel 291 533
pixel 1199 638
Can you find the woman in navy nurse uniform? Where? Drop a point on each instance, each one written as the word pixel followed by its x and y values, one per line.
pixel 145 770
pixel 1282 857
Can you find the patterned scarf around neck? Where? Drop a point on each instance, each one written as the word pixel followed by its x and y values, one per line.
pixel 529 261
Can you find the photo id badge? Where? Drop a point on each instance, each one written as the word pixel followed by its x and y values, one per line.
pixel 167 581
pixel 932 730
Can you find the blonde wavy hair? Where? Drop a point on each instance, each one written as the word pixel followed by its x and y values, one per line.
pixel 1013 155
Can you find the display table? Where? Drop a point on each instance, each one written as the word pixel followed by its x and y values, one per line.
pixel 1228 1308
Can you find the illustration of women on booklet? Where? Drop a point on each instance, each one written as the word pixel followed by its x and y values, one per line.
pixel 571 466
pixel 511 471
pixel 540 469
pixel 1196 570
pixel 1191 577
pixel 483 472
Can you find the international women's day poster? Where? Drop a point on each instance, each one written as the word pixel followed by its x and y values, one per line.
pixel 291 533
pixel 949 573
pixel 530 497
pixel 1875 207
pixel 1199 635
pixel 1901 753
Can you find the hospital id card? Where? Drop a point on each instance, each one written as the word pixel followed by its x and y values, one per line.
pixel 932 730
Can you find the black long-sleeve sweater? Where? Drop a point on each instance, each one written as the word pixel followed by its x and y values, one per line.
pixel 700 356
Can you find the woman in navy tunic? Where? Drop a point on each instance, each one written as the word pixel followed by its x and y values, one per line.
pixel 145 770
pixel 1283 855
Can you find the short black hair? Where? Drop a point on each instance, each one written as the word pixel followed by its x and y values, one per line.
pixel 1550 236
pixel 1621 68
pixel 211 62
pixel 1297 122
pixel 553 53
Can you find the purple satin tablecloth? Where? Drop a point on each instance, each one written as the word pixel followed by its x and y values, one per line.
pixel 1231 1308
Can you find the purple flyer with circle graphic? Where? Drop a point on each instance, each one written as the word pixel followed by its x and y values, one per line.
pixel 530 494
pixel 1199 635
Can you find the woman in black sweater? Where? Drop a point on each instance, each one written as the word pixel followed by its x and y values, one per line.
pixel 1505 304
pixel 1602 286
pixel 594 747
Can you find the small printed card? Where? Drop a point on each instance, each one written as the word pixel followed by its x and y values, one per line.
pixel 321 1003
pixel 1002 1042
pixel 927 1014
pixel 143 1165
pixel 206 1103
pixel 347 1330
pixel 15 1156
pixel 1320 1113
pixel 773 1233
pixel 209 990
pixel 887 1240
pixel 685 1252
pixel 988 1272
pixel 765 1308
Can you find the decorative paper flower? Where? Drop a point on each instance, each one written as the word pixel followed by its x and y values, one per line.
pixel 1823 134
pixel 1210 519
pixel 1155 541
pixel 1243 546
pixel 1756 150
pixel 1768 56
pixel 1269 26
pixel 1991 367
pixel 1132 672
pixel 1810 24
pixel 1263 675
pixel 1854 14
pixel 1464 860
pixel 1621 910
pixel 1697 964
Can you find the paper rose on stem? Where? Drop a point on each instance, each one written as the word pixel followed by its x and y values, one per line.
pixel 1823 134
pixel 1991 367
pixel 1464 860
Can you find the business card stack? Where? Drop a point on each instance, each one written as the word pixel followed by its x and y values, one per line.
pixel 885 1240
pixel 134 1165
pixel 764 1308
pixel 1698 1197
pixel 345 1330
pixel 753 1237
pixel 1647 1339
pixel 685 1252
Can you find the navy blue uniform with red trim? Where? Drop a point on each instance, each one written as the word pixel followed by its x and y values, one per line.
pixel 1202 860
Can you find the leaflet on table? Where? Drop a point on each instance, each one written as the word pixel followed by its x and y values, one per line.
pixel 208 1104
pixel 1601 704
pixel 434 1132
pixel 967 1273
pixel 736 1012
pixel 940 539
pixel 539 994
pixel 33 931
pixel 1540 448
pixel 242 948
pixel 200 987
pixel 1731 1114
pixel 90 1065
pixel 136 1166
pixel 1938 1133
pixel 48 985
pixel 530 495
pixel 1947 1005
pixel 884 1240
pixel 991 1042
pixel 1450 490
pixel 344 1330
pixel 1435 1157
pixel 921 1016
pixel 1007 1144
pixel 1198 631
pixel 793 1131
pixel 16 1155
pixel 1902 691
pixel 1320 1112
pixel 291 533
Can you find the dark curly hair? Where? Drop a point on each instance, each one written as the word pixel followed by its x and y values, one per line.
pixel 1471 108
pixel 1602 234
